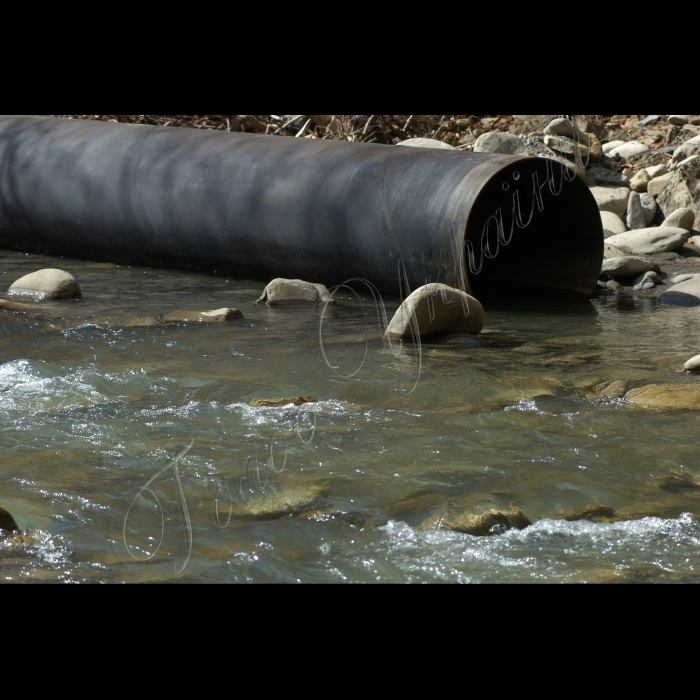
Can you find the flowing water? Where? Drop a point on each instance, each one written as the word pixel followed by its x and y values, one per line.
pixel 131 451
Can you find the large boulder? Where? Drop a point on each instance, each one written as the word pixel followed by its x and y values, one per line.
pixel 684 294
pixel 426 143
pixel 627 267
pixel 681 218
pixel 650 241
pixel 216 316
pixel 438 309
pixel 612 199
pixel 612 223
pixel 500 142
pixel 283 292
pixel 46 284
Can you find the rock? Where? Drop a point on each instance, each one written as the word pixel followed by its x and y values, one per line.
pixel 493 521
pixel 648 207
pixel 566 146
pixel 636 217
pixel 613 389
pixel 665 396
pixel 453 311
pixel 687 161
pixel 627 267
pixel 580 170
pixel 693 364
pixel 657 184
pixel 676 195
pixel 498 142
pixel 695 139
pixel 560 127
pixel 276 403
pixel 681 218
pixel 7 522
pixel 46 284
pixel 640 181
pixel 628 150
pixel 426 143
pixel 15 306
pixel 612 199
pixel 646 281
pixel 283 292
pixel 613 285
pixel 688 149
pixel 649 241
pixel 594 513
pixel 612 145
pixel 605 177
pixel 612 223
pixel 695 120
pixel 217 316
pixel 612 252
pixel 683 294
pixel 596 148
pixel 679 119
pixel 656 171
pixel 684 278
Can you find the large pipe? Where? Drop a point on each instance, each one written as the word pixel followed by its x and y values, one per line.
pixel 259 207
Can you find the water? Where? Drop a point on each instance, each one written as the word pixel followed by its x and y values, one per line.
pixel 98 398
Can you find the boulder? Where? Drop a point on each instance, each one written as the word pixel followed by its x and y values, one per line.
pixel 612 199
pixel 648 206
pixel 426 143
pixel 7 522
pixel 15 306
pixel 46 284
pixel 657 184
pixel 640 181
pixel 493 521
pixel 500 142
pixel 607 147
pixel 560 127
pixel 438 309
pixel 681 218
pixel 566 146
pixel 628 150
pixel 612 223
pixel 283 292
pixel 679 119
pixel 656 170
pixel 683 294
pixel 217 316
pixel 649 241
pixel 684 278
pixel 665 396
pixel 676 195
pixel 636 217
pixel 627 267
pixel 693 364
pixel 646 281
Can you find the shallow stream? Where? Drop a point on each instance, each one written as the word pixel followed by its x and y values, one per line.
pixel 98 398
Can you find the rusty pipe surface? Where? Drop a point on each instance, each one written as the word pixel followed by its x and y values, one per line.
pixel 259 207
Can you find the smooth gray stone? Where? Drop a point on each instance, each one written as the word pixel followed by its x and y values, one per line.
pixel 681 218
pixel 683 294
pixel 649 206
pixel 612 199
pixel 612 223
pixel 627 266
pixel 560 127
pixel 649 241
pixel 500 142
pixel 636 218
pixel 426 143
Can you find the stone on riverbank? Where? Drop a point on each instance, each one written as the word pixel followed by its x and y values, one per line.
pixel 7 522
pixel 657 184
pixel 636 216
pixel 426 143
pixel 46 284
pixel 656 171
pixel 610 251
pixel 612 199
pixel 684 277
pixel 646 281
pixel 693 364
pixel 640 181
pixel 628 150
pixel 648 207
pixel 612 223
pixel 284 292
pixel 627 267
pixel 217 316
pixel 684 294
pixel 560 127
pixel 680 218
pixel 649 241
pixel 438 309
pixel 666 396
pixel 498 142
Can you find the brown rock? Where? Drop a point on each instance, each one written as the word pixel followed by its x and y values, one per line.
pixel 46 284
pixel 666 396
pixel 284 292
pixel 276 403
pixel 490 522
pixel 594 513
pixel 15 305
pixel 217 316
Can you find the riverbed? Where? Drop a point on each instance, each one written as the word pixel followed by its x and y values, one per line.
pixel 131 451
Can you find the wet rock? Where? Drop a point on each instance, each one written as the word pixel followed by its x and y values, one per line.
pixel 684 278
pixel 648 204
pixel 693 364
pixel 613 285
pixel 281 497
pixel 679 119
pixel 46 284
pixel 656 186
pixel 426 143
pixel 680 218
pixel 628 150
pixel 438 309
pixel 640 181
pixel 666 396
pixel 612 223
pixel 217 316
pixel 649 241
pixel 684 294
pixel 560 127
pixel 276 403
pixel 612 145
pixel 613 199
pixel 613 389
pixel 492 521
pixel 636 216
pixel 498 142
pixel 16 306
pixel 646 281
pixel 656 171
pixel 284 292
pixel 7 522
pixel 627 266
pixel 594 513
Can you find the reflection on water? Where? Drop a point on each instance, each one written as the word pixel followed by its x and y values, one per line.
pixel 97 396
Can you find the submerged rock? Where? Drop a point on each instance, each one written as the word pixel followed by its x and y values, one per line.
pixel 594 513
pixel 438 309
pixel 276 403
pixel 217 316
pixel 612 389
pixel 284 292
pixel 15 306
pixel 649 241
pixel 492 521
pixel 667 396
pixel 7 522
pixel 46 284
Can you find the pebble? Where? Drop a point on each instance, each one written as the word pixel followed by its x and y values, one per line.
pixel 612 199
pixel 612 252
pixel 284 292
pixel 500 142
pixel 612 223
pixel 648 206
pixel 681 218
pixel 684 278
pixel 649 241
pixel 687 161
pixel 656 170
pixel 612 145
pixel 693 364
pixel 646 281
pixel 636 216
pixel 688 149
pixel 627 266
pixel 629 150
pixel 566 146
pixel 640 181
pixel 676 195
pixel 46 284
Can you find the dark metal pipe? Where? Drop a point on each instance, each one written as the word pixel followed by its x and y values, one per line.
pixel 259 207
